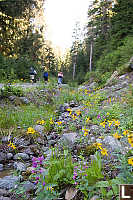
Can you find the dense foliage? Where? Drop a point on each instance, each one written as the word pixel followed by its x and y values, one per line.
pixel 109 33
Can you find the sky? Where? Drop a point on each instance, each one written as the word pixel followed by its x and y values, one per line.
pixel 61 17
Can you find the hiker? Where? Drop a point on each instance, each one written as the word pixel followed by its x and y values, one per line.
pixel 33 74
pixel 60 77
pixel 45 76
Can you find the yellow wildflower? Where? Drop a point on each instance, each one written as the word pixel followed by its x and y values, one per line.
pixel 104 152
pixel 69 110
pixel 110 123
pixel 117 136
pixel 85 131
pixel 40 122
pixel 59 123
pixel 117 123
pixel 107 113
pixel 11 145
pixel 78 112
pixel 103 124
pixel 130 161
pixel 51 121
pixel 30 130
pixel 98 145
pixel 87 119
pixel 74 117
pixel 125 132
pixel 130 139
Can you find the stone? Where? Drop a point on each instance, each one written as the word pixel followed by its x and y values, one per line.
pixel 21 142
pixel 95 198
pixel 19 166
pixel 11 98
pixel 8 182
pixel 2 156
pixel 112 143
pixel 4 198
pixel 4 192
pixel 39 129
pixel 28 186
pixel 68 138
pixel 22 156
pixel 40 140
pixel 9 156
pixel 1 167
pixel 24 100
pixel 5 139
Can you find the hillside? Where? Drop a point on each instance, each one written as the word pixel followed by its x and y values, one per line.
pixel 67 143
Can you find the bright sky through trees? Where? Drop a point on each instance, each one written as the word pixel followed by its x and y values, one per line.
pixel 61 17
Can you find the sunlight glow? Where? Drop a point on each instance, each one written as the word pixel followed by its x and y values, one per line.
pixel 61 17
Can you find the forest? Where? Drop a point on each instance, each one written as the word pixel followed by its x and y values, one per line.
pixel 70 140
pixel 107 44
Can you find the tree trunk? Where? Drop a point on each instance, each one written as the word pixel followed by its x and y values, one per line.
pixel 90 57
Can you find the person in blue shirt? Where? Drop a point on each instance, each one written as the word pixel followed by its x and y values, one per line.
pixel 45 76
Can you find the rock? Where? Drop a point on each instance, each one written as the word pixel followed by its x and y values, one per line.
pixel 1 167
pixel 40 140
pixel 21 142
pixel 5 139
pixel 28 186
pixel 8 182
pixel 4 198
pixel 52 142
pixel 2 156
pixel 72 104
pixel 93 85
pixel 22 156
pixel 39 129
pixel 28 151
pixel 68 138
pixel 112 78
pixel 19 166
pixel 112 143
pixel 71 193
pixel 4 192
pixel 24 100
pixel 95 198
pixel 94 129
pixel 9 156
pixel 11 98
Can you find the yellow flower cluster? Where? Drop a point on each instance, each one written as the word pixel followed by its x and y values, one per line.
pixel 130 161
pixel 59 123
pixel 41 122
pixel 130 139
pixel 11 145
pixel 103 150
pixel 50 188
pixel 86 131
pixel 110 122
pixel 30 130
pixel 117 136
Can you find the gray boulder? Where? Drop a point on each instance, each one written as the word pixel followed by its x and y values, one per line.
pixel 22 156
pixel 68 139
pixel 1 167
pixel 2 156
pixel 19 166
pixel 8 182
pixel 28 186
pixel 113 144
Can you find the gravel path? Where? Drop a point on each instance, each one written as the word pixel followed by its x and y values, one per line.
pixel 24 85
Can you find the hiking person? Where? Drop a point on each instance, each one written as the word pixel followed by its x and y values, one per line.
pixel 33 74
pixel 60 77
pixel 45 76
